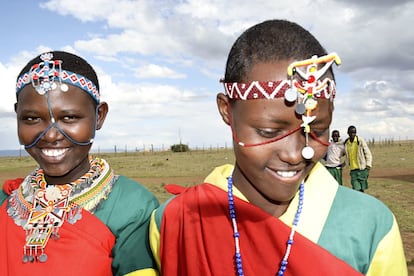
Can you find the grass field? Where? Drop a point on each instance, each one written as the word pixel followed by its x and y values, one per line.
pixel 391 178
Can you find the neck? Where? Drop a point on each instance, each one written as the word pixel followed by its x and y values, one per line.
pixel 255 197
pixel 74 174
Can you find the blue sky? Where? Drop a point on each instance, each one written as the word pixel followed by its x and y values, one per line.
pixel 159 62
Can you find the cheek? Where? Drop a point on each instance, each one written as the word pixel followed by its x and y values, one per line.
pixel 320 150
pixel 251 156
pixel 82 131
pixel 26 134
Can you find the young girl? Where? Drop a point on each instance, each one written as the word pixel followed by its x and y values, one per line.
pixel 72 215
pixel 276 211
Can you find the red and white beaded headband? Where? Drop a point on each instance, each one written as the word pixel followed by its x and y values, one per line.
pixel 43 76
pixel 291 89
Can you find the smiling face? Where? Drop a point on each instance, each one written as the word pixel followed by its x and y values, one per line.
pixel 74 112
pixel 269 175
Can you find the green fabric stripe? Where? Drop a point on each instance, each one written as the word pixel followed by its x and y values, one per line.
pixel 3 196
pixel 350 237
pixel 159 213
pixel 127 213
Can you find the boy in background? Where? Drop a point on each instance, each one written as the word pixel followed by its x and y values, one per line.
pixel 359 159
pixel 334 157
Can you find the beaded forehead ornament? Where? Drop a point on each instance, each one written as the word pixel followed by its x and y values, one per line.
pixel 45 77
pixel 305 90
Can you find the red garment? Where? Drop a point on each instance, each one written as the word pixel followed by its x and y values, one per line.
pixel 174 189
pixel 198 225
pixel 89 237
pixel 11 184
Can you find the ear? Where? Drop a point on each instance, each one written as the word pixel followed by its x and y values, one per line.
pixel 223 104
pixel 102 111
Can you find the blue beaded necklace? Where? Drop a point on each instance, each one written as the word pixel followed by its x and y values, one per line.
pixel 236 234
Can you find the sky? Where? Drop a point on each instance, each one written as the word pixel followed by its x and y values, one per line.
pixel 159 62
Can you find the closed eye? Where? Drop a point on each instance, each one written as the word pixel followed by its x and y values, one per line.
pixel 269 133
pixel 320 132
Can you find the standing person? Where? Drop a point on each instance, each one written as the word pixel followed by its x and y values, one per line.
pixel 359 159
pixel 277 210
pixel 334 155
pixel 72 215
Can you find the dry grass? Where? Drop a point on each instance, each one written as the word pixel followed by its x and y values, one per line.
pixel 391 179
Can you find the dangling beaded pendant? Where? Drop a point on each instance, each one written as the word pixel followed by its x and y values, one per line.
pixel 48 212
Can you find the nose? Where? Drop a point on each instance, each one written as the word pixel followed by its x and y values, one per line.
pixel 290 148
pixel 52 134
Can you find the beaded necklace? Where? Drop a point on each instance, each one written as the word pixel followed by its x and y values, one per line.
pixel 41 209
pixel 236 234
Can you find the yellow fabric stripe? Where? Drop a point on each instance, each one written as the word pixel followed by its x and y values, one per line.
pixel 218 177
pixel 389 257
pixel 320 184
pixel 143 272
pixel 154 239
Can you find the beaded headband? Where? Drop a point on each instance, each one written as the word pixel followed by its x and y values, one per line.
pixel 291 89
pixel 305 90
pixel 44 75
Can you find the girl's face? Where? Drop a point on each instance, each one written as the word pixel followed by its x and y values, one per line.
pixel 269 175
pixel 74 112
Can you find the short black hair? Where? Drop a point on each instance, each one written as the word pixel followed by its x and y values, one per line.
pixel 269 41
pixel 70 62
pixel 351 128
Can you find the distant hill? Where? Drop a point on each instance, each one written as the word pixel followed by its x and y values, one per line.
pixel 13 153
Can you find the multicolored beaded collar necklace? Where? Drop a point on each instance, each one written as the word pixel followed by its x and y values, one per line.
pixel 41 209
pixel 236 234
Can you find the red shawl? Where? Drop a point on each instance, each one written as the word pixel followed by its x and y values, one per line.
pixel 197 239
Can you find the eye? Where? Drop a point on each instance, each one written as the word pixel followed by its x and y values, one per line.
pixel 69 118
pixel 30 119
pixel 268 133
pixel 319 132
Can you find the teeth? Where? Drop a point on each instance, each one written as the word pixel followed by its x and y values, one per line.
pixel 53 152
pixel 286 173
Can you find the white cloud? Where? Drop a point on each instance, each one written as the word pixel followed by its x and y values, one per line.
pixel 159 62
pixel 156 71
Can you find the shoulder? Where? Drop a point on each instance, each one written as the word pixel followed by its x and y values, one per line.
pixel 366 208
pixel 361 140
pixel 128 200
pixel 131 189
pixel 191 200
pixel 8 187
